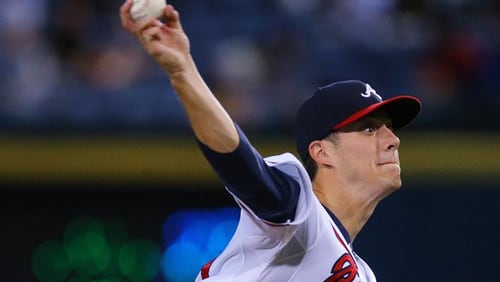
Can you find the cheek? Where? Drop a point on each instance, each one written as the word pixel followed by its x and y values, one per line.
pixel 357 164
pixel 357 159
pixel 364 155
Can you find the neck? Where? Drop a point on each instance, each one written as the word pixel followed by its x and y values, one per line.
pixel 352 209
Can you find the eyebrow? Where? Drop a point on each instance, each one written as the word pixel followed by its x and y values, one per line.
pixel 373 120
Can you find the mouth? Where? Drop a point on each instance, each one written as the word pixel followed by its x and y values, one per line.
pixel 388 163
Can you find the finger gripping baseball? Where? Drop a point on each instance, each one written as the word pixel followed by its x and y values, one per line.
pixel 142 9
pixel 172 17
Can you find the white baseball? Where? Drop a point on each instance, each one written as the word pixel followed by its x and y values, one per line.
pixel 147 8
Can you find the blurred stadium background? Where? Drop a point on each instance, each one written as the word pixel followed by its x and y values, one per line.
pixel 101 179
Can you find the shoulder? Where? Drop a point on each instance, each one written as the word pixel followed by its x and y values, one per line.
pixel 285 158
pixel 288 164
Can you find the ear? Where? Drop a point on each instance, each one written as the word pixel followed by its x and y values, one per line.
pixel 320 153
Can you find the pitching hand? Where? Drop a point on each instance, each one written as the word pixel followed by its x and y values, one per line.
pixel 166 42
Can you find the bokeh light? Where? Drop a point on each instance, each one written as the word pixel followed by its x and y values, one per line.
pixel 91 279
pixel 50 262
pixel 99 250
pixel 140 260
pixel 88 248
pixel 96 250
pixel 193 238
pixel 181 262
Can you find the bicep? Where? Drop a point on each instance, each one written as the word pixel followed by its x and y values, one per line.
pixel 272 194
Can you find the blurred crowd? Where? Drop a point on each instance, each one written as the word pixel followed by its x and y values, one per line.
pixel 68 65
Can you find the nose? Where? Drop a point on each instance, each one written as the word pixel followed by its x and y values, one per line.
pixel 391 141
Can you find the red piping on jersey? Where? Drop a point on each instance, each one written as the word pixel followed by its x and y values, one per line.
pixel 205 269
pixel 345 246
pixel 340 239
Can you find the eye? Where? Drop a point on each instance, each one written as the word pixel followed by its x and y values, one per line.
pixel 370 129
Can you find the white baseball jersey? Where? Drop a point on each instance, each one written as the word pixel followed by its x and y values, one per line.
pixel 310 248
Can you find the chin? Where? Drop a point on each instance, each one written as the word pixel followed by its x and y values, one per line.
pixel 397 185
pixel 392 186
pixel 396 177
pixel 392 177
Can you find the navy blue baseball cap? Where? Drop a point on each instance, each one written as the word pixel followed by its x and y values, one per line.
pixel 341 103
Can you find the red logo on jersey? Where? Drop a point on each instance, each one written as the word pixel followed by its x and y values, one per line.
pixel 344 270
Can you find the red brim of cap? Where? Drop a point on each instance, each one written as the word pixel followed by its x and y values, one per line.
pixel 401 109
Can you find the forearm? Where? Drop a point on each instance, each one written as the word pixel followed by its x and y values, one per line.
pixel 169 45
pixel 211 123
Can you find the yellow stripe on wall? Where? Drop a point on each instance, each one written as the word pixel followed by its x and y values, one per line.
pixel 178 160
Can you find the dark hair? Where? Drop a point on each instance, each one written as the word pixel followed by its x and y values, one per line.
pixel 310 164
pixel 311 167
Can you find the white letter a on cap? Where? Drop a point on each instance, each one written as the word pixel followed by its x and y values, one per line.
pixel 370 91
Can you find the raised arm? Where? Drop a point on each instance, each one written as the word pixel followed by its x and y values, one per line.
pixel 169 45
pixel 271 194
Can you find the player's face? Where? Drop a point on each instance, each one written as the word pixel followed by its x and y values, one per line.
pixel 367 153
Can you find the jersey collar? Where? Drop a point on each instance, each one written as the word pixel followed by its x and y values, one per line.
pixel 337 222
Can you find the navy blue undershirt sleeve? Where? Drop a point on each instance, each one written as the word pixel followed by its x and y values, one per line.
pixel 271 194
